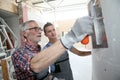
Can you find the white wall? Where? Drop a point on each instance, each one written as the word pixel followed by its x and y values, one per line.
pixel 106 61
pixel 81 67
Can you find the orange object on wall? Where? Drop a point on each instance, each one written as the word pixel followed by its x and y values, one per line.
pixel 85 40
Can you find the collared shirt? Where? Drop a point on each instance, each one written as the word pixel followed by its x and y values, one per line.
pixel 21 61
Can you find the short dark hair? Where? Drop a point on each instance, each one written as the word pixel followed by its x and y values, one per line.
pixel 46 25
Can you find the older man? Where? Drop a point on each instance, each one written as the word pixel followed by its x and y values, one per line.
pixel 22 57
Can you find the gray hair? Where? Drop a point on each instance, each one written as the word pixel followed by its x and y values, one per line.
pixel 25 25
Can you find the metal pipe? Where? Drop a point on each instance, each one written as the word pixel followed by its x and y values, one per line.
pixel 4 23
pixel 3 27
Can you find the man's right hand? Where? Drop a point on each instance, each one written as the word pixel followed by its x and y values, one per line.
pixel 82 27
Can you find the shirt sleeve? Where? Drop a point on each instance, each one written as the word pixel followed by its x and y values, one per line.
pixel 22 60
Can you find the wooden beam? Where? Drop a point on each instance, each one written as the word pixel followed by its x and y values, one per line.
pixel 8 5
pixel 5 69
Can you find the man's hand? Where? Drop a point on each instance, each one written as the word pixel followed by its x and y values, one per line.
pixel 82 27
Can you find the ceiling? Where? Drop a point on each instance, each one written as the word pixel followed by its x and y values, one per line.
pixel 48 5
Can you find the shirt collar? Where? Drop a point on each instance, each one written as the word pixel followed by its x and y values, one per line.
pixel 33 48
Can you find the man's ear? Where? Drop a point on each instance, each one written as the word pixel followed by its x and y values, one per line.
pixel 24 34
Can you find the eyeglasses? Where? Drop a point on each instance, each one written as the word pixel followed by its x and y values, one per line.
pixel 35 28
